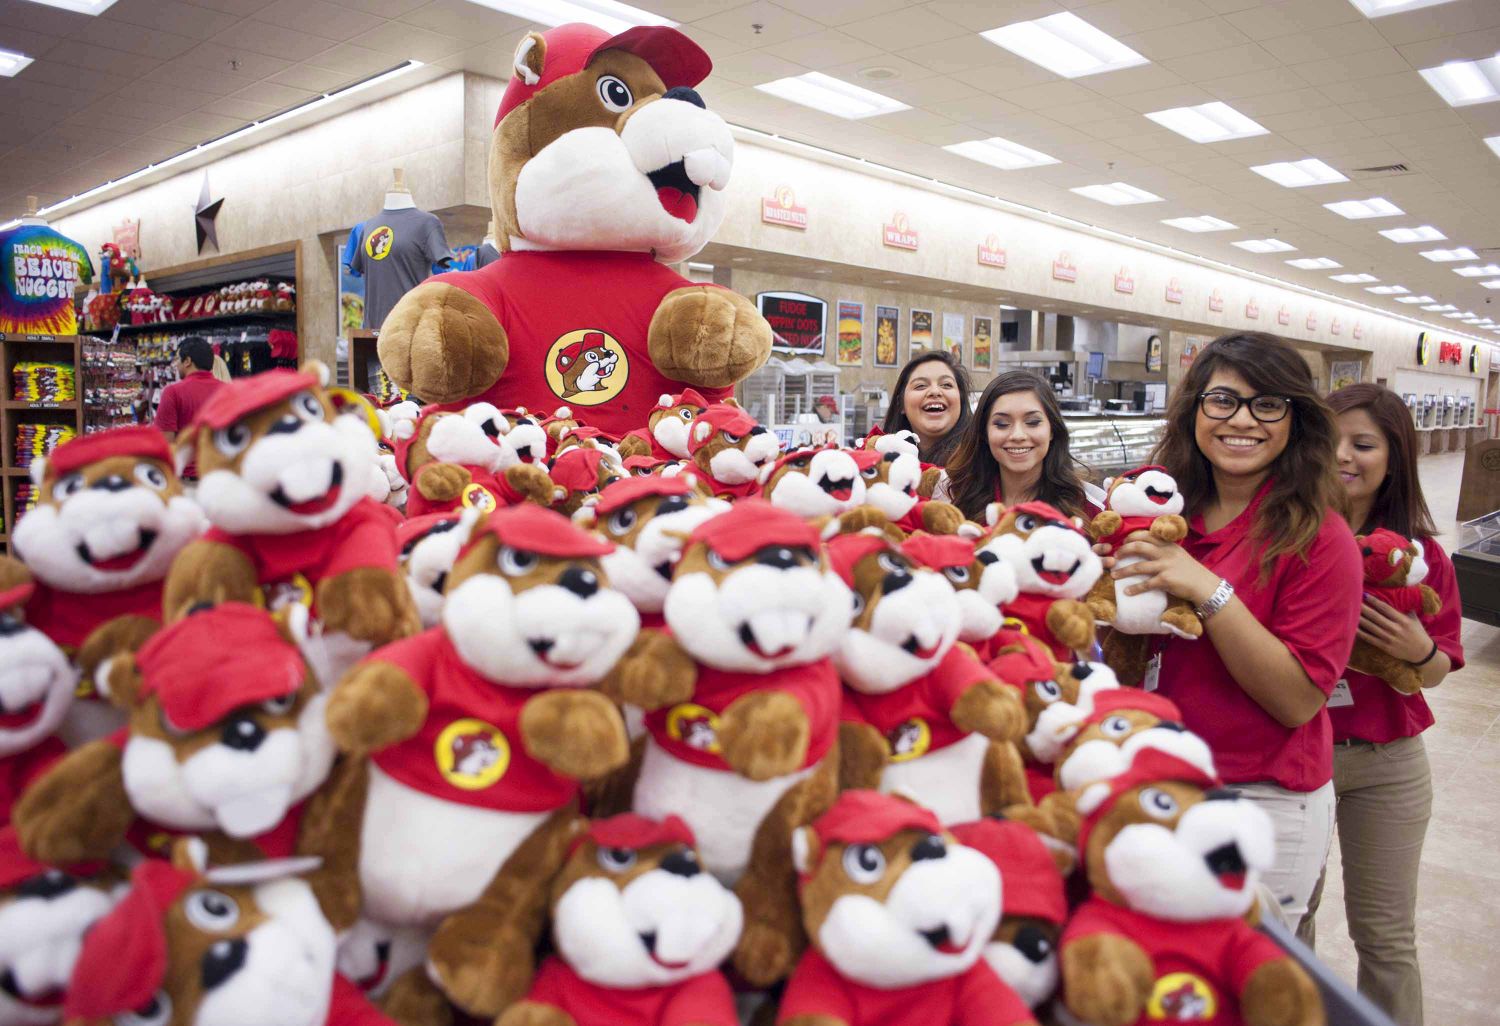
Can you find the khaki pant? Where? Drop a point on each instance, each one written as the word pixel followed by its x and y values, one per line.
pixel 1384 802
pixel 1304 833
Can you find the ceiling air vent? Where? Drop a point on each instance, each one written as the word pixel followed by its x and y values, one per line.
pixel 1383 170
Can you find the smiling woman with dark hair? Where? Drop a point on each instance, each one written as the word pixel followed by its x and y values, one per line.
pixel 931 399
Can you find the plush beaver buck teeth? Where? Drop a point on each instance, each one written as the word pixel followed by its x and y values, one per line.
pixel 318 504
pixel 675 191
pixel 841 490
pixel 942 941
pixel 122 561
pixel 1054 576
pixel 1226 863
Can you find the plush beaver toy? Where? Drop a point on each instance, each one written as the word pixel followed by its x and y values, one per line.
pixel 1174 860
pixel 476 734
pixel 899 914
pixel 922 715
pixel 743 705
pixel 1055 566
pixel 429 548
pixel 814 483
pixel 110 519
pixel 665 435
pixel 225 738
pixel 640 929
pixel 1394 570
pixel 461 460
pixel 605 165
pixel 893 483
pixel 729 450
pixel 1144 499
pixel 36 691
pixel 190 945
pixel 982 582
pixel 578 475
pixel 280 479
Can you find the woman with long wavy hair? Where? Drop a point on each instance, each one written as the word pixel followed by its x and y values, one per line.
pixel 1272 568
pixel 932 400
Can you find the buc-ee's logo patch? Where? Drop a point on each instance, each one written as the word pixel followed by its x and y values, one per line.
pixel 1182 997
pixel 471 754
pixel 910 739
pixel 379 242
pixel 477 496
pixel 695 726
pixel 587 367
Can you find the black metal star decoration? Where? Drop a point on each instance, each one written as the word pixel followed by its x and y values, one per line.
pixel 204 214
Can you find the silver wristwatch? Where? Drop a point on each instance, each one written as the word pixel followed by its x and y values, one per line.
pixel 1217 601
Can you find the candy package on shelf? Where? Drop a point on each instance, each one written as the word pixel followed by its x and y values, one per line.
pixel 43 382
pixel 33 440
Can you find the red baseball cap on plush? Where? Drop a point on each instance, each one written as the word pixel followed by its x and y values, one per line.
pixel 642 466
pixel 243 396
pixel 751 525
pixel 676 59
pixel 1033 886
pixel 719 417
pixel 417 528
pixel 938 551
pixel 1044 511
pixel 210 663
pixel 630 489
pixel 577 469
pixel 846 550
pixel 1150 766
pixel 868 817
pixel 1113 700
pixel 632 831
pixel 687 397
pixel 124 956
pixel 1028 661
pixel 531 528
pixel 567 354
pixel 143 441
pixel 864 459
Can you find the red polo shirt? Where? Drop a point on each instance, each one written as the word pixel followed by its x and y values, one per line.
pixel 920 712
pixel 1382 714
pixel 976 997
pixel 180 403
pixel 1311 604
pixel 703 1000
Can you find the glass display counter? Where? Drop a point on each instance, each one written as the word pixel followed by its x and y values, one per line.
pixel 1108 443
pixel 1476 563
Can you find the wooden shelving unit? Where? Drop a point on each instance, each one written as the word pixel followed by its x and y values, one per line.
pixel 363 358
pixel 16 349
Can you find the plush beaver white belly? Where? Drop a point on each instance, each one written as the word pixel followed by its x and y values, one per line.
pixel 723 808
pixel 422 858
pixel 945 781
pixel 1138 614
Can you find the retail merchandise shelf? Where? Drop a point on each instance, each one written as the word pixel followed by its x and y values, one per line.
pixel 256 317
pixel 17 404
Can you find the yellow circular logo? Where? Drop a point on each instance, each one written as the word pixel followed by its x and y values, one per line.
pixel 477 496
pixel 587 367
pixel 1182 997
pixel 378 243
pixel 695 726
pixel 471 754
pixel 296 590
pixel 910 739
pixel 1012 624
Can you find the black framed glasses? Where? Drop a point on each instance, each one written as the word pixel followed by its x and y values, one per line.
pixel 1267 409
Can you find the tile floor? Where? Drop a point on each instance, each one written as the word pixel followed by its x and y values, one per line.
pixel 1458 902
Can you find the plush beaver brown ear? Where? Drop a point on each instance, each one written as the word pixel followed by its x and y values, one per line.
pixel 185 448
pixel 530 58
pixel 805 849
pixel 122 682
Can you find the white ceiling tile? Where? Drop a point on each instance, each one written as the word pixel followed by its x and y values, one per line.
pixel 240 66
pixel 933 92
pixel 1184 95
pixel 1434 22
pixel 384 8
pixel 321 19
pixel 1313 139
pixel 305 76
pixel 132 39
pixel 1122 17
pixel 1354 37
pixel 1410 103
pixel 273 41
pixel 980 107
pixel 904 71
pixel 463 20
pixel 1269 20
pixel 970 53
pixel 408 42
pixel 1402 83
pixel 244 8
pixel 777 24
pixel 186 75
pixel 1234 60
pixel 1053 94
pixel 898 30
pixel 982 16
pixel 98 58
pixel 842 12
pixel 752 67
pixel 170 16
pixel 279 96
pixel 825 49
pixel 239 108
pixel 1309 117
pixel 356 60
pixel 1184 40
pixel 1371 64
pixel 1233 87
pixel 1468 46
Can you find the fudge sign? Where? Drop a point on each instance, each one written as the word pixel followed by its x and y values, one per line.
pixel 798 322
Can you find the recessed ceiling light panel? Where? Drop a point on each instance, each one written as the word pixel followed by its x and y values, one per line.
pixel 1380 8
pixel 1001 153
pixel 1414 299
pixel 1463 83
pixel 1210 123
pixel 11 63
pixel 1422 233
pixel 1387 290
pixel 1117 194
pixel 1265 246
pixel 1314 264
pixel 1298 174
pixel 1439 307
pixel 1353 279
pixel 1358 210
pixel 832 96
pixel 1491 284
pixel 1450 256
pixel 1203 223
pixel 1478 270
pixel 609 15
pixel 1065 44
pixel 89 7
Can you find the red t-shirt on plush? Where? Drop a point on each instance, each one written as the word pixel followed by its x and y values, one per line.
pixel 975 998
pixel 69 617
pixel 486 490
pixel 1379 712
pixel 1201 968
pixel 20 771
pixel 703 1000
pixel 1311 604
pixel 546 302
pixel 927 701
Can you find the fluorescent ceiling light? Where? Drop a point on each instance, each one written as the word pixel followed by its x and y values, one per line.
pixel 1493 142
pixel 1477 271
pixel 1117 194
pixel 832 96
pixel 1492 284
pixel 1455 314
pixel 1387 290
pixel 1414 299
pixel 1423 233
pixel 89 7
pixel 1314 264
pixel 1462 83
pixel 1065 44
pixel 1358 210
pixel 1439 307
pixel 1203 223
pixel 255 126
pixel 1353 279
pixel 1265 245
pixel 1297 174
pixel 11 63
pixel 1380 8
pixel 1449 256
pixel 610 15
pixel 1001 153
pixel 1210 123
pixel 1004 307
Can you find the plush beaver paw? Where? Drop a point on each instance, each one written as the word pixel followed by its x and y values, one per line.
pixel 764 954
pixel 482 963
pixel 656 672
pixel 863 754
pixel 1169 527
pixel 117 637
pixel 862 518
pixel 939 517
pixel 442 344
pixel 532 1013
pixel 1071 623
pixel 633 445
pixel 1105 523
pixel 1106 979
pixel 707 337
pixel 78 810
pixel 532 482
pixel 993 709
pixel 414 1000
pixel 1279 993
pixel 928 482
pixel 813 1020
pixel 375 706
pixel 1180 619
pixel 575 733
pixel 1101 600
pixel 441 482
pixel 367 603
pixel 764 734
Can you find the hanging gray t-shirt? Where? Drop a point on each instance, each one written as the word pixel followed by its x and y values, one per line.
pixel 396 251
pixel 486 255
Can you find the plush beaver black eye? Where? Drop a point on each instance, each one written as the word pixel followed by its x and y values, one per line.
pixel 616 860
pixel 211 911
pixel 306 406
pixel 1115 726
pixel 959 575
pixel 622 520
pixel 1158 804
pixel 865 863
pixel 66 486
pixel 280 705
pixel 891 563
pixel 614 94
pixel 1047 691
pixel 156 1012
pixel 717 561
pixel 231 441
pixel 685 414
pixel 151 475
pixel 1026 522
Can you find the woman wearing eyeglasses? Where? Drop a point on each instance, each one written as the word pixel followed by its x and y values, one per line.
pixel 1273 570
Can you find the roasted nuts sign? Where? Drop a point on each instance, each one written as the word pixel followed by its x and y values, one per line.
pixel 781 209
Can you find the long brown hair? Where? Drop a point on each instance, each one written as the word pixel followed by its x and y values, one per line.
pixel 1398 504
pixel 973 474
pixel 895 413
pixel 1304 478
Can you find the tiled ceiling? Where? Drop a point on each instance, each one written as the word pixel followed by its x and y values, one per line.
pixel 109 94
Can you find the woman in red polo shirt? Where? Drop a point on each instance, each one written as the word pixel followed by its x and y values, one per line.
pixel 1381 779
pixel 1273 570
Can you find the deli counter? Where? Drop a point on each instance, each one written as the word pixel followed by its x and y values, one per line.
pixel 1108 443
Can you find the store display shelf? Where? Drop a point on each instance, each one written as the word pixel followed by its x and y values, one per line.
pixel 256 316
pixel 16 472
pixel 21 404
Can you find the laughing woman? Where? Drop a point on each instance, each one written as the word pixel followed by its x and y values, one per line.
pixel 1272 568
pixel 932 399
